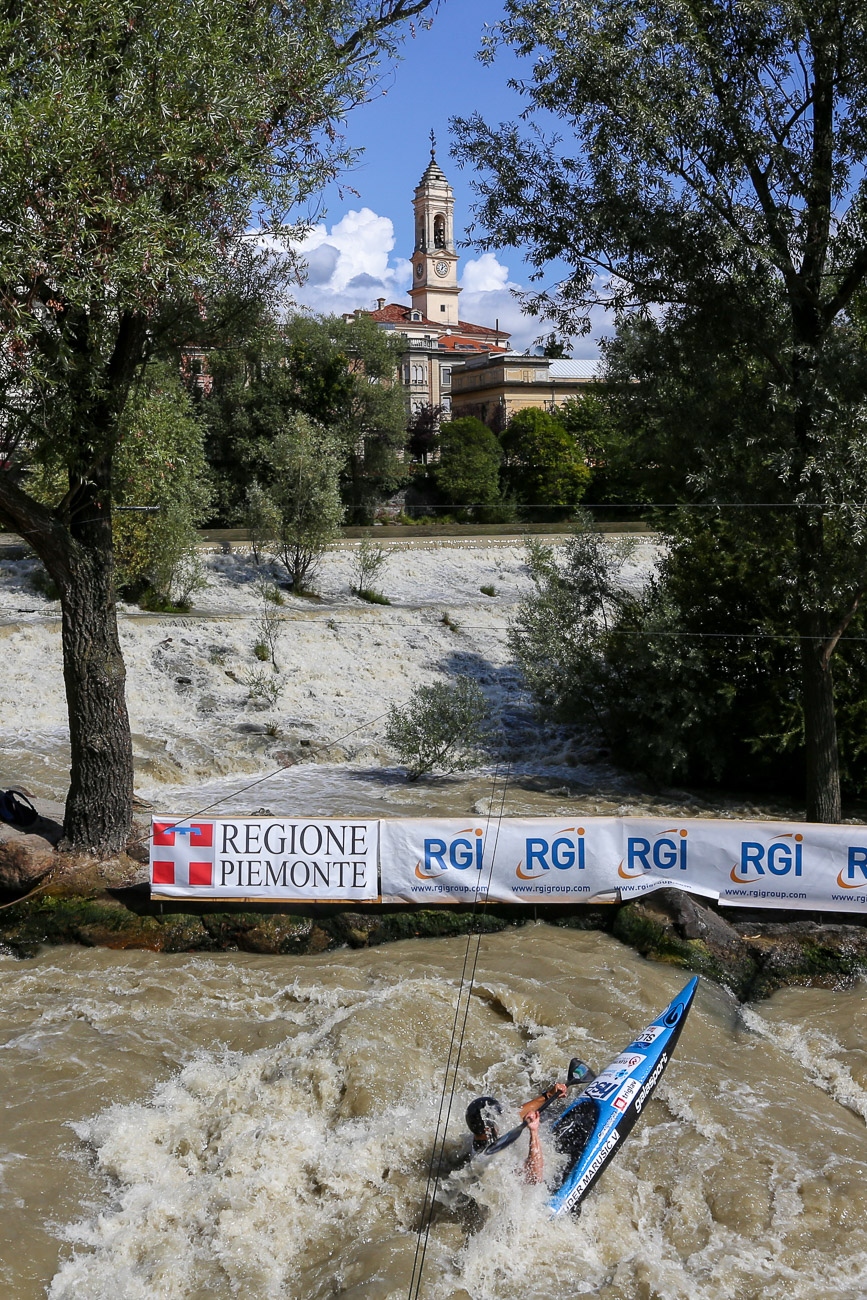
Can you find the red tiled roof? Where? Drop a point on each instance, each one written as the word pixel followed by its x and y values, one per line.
pixel 395 313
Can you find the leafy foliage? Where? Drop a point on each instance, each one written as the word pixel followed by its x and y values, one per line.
pixel 542 467
pixel 695 679
pixel 306 460
pixel 441 726
pixel 338 373
pixel 160 466
pixel 468 471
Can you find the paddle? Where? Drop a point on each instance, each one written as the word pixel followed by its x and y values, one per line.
pixel 578 1073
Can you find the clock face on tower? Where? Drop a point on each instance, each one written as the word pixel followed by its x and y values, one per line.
pixel 442 268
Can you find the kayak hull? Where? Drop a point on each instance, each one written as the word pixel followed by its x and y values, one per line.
pixel 594 1127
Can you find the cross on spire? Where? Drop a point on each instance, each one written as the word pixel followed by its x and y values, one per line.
pixel 433 145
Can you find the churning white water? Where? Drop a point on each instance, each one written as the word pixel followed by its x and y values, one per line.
pixel 203 707
pixel 233 1125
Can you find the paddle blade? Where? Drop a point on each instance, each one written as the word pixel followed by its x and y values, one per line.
pixel 579 1072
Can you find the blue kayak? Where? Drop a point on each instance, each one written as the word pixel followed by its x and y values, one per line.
pixel 593 1127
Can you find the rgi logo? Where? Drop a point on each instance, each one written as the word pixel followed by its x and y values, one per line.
pixel 667 851
pixel 564 851
pixel 854 874
pixel 778 858
pixel 459 853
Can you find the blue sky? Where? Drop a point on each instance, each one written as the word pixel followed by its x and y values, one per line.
pixel 360 251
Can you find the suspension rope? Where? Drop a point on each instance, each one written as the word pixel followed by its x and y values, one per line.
pixel 456 1042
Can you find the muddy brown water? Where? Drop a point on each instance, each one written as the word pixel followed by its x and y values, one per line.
pixel 198 1126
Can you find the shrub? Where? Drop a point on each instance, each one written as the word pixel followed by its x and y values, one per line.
pixel 270 622
pixel 441 726
pixel 261 519
pixel 368 560
pixel 263 686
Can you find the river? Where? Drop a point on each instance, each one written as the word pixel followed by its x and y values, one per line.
pixel 195 1127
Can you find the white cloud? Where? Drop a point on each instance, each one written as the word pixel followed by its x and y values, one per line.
pixel 485 275
pixel 350 265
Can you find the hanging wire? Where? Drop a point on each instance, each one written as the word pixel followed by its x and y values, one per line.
pixel 456 1042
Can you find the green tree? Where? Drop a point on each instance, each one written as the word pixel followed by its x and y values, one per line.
pixel 468 470
pixel 542 467
pixel 161 489
pixel 717 164
pixel 622 459
pixel 441 726
pixel 137 142
pixel 306 460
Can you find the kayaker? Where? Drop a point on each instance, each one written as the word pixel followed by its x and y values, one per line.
pixel 482 1124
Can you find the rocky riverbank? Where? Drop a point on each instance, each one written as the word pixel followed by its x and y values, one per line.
pixel 49 897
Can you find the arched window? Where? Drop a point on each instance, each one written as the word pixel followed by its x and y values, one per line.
pixel 419 374
pixel 439 231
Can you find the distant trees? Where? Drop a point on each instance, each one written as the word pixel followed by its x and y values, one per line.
pixel 338 373
pixel 542 466
pixel 468 470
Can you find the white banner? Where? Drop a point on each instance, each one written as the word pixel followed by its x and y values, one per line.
pixel 527 860
pixel 517 860
pixel 537 860
pixel 261 860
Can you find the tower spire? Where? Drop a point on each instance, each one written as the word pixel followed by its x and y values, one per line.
pixel 435 288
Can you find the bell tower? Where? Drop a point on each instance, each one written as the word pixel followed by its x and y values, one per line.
pixel 435 289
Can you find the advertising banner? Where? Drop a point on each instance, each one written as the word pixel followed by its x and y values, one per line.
pixel 265 859
pixel 517 860
pixel 536 860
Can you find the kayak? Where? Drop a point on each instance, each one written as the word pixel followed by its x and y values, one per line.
pixel 592 1129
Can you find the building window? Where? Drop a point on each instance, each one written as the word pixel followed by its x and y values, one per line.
pixel 419 374
pixel 446 405
pixel 446 376
pixel 439 231
pixel 416 315
pixel 442 306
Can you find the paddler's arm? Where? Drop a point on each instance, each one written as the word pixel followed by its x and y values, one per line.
pixel 534 1165
pixel 531 1107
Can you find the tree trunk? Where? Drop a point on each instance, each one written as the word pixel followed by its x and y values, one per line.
pixel 99 802
pixel 80 558
pixel 820 729
pixel 821 756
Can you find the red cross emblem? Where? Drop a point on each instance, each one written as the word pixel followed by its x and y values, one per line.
pixel 182 853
